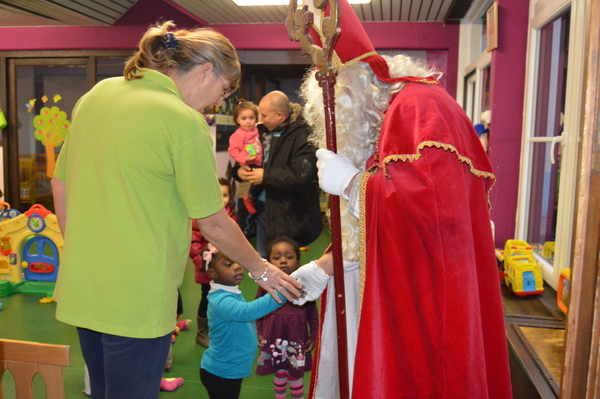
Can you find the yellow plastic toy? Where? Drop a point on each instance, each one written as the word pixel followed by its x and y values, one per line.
pixel 548 251
pixel 564 290
pixel 31 247
pixel 522 274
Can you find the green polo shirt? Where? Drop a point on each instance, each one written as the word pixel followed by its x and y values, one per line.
pixel 138 164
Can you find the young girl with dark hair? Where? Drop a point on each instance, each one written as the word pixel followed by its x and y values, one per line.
pixel 287 335
pixel 228 359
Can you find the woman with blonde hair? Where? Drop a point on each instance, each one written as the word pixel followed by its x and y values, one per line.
pixel 126 185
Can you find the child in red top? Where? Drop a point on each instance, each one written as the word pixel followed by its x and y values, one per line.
pixel 198 244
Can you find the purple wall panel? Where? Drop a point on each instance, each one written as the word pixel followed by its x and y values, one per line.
pixel 71 38
pixel 147 12
pixel 507 88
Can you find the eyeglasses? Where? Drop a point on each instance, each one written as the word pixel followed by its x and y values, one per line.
pixel 226 89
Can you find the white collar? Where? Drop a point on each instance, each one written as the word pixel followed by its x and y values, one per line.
pixel 229 288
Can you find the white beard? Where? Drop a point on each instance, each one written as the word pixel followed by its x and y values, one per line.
pixel 357 122
pixel 361 99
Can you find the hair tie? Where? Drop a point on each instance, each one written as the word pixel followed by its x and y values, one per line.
pixel 170 42
pixel 208 255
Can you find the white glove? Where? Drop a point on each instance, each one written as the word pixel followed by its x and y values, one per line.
pixel 335 172
pixel 314 280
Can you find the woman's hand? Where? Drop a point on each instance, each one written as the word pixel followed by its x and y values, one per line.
pixel 278 281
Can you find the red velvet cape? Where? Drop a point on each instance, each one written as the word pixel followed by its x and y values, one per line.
pixel 431 322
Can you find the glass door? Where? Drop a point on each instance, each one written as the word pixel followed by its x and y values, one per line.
pixel 45 96
pixel 551 129
pixel 42 93
pixel 546 140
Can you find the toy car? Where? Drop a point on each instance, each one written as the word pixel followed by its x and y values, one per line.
pixel 522 274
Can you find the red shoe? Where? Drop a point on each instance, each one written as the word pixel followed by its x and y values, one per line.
pixel 249 203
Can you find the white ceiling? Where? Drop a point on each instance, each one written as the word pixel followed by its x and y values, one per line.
pixel 21 13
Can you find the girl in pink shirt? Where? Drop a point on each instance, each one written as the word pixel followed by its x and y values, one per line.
pixel 244 144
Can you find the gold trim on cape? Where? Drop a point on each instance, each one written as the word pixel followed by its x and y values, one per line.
pixel 418 154
pixel 445 147
pixel 363 237
pixel 436 144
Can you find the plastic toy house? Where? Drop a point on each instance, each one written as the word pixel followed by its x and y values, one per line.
pixel 30 246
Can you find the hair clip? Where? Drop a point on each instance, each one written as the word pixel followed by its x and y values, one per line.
pixel 170 42
pixel 208 255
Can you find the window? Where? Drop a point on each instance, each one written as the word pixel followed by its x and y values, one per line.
pixel 549 155
pixel 477 71
pixel 46 95
pixel 42 90
pixel 545 147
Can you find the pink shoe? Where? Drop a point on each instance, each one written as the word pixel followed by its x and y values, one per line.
pixel 170 384
pixel 183 324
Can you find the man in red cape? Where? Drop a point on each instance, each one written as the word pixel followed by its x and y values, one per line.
pixel 425 311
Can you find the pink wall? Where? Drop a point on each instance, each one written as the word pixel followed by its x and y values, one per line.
pixel 71 38
pixel 383 35
pixel 507 89
pixel 126 32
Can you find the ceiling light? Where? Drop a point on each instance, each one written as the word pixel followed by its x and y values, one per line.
pixel 244 3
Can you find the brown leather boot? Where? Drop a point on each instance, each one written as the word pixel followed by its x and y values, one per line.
pixel 202 336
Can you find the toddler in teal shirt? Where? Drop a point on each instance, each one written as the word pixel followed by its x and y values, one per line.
pixel 231 320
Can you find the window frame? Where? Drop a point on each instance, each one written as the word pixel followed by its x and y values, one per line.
pixel 9 61
pixel 473 58
pixel 543 12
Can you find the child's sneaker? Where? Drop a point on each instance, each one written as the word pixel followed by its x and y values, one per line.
pixel 249 203
pixel 170 384
pixel 182 325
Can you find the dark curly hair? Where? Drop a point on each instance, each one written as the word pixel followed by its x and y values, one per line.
pixel 278 240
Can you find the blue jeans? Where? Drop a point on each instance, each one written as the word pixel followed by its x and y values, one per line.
pixel 261 221
pixel 122 367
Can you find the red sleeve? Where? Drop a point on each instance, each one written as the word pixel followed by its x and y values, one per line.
pixel 196 247
pixel 312 315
